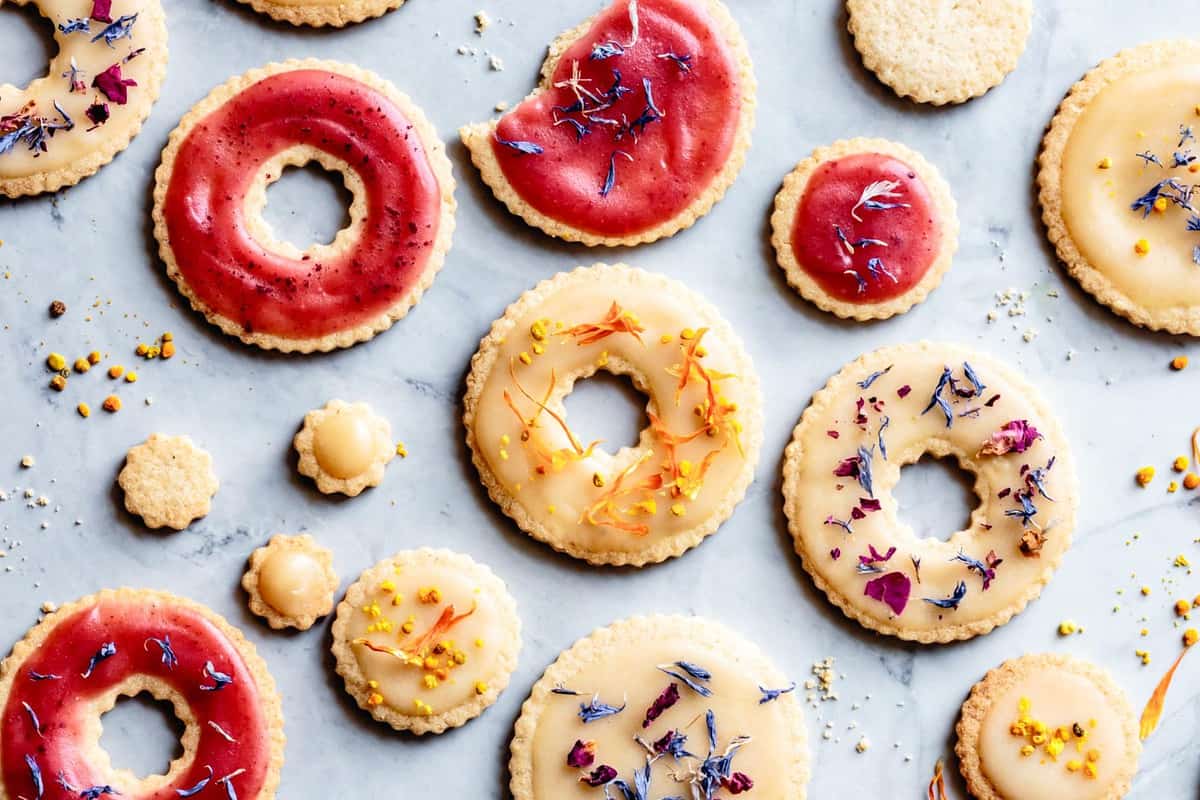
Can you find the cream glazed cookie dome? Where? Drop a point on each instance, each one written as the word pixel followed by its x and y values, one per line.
pixel 885 411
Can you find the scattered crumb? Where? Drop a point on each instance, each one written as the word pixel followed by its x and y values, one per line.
pixel 482 21
pixel 495 63
pixel 27 461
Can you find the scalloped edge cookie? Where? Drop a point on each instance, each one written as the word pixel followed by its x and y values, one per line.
pixel 336 15
pixel 326 483
pixel 149 495
pixel 302 543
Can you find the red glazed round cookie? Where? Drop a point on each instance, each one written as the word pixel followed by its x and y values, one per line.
pixel 73 666
pixel 211 189
pixel 639 125
pixel 864 228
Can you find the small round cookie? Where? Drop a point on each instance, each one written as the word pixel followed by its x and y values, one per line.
pixel 73 666
pixel 210 191
pixel 426 640
pixel 93 98
pixel 1117 173
pixel 639 125
pixel 678 706
pixel 318 13
pixel 885 411
pixel 864 228
pixel 168 481
pixel 291 582
pixel 692 463
pixel 939 52
pixel 1047 727
pixel 344 447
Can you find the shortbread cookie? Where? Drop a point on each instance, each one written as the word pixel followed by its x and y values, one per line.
pixel 74 665
pixel 211 187
pixel 323 12
pixel 937 51
pixel 864 228
pixel 344 447
pixel 677 706
pixel 97 91
pixel 640 123
pixel 168 481
pixel 426 640
pixel 291 582
pixel 1118 170
pixel 885 411
pixel 691 465
pixel 1047 727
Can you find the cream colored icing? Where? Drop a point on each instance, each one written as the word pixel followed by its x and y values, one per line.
pixel 1136 113
pixel 294 583
pixel 91 58
pixel 344 442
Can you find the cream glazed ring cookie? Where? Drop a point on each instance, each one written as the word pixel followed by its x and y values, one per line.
pixel 318 13
pixel 1047 727
pixel 291 582
pixel 344 447
pixel 885 411
pixel 1118 171
pixel 639 125
pixel 864 228
pixel 97 91
pixel 691 465
pixel 675 705
pixel 210 190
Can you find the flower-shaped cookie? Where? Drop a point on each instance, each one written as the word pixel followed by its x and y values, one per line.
pixel 344 447
pixel 168 481
pixel 291 581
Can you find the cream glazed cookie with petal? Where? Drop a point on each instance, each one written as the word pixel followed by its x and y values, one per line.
pixel 291 582
pixel 1047 727
pixel 344 447
pixel 426 640
pixel 168 481
pixel 885 411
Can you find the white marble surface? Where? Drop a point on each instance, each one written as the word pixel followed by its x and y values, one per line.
pixel 1120 405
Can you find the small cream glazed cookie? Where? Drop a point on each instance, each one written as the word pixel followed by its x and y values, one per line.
pixel 940 51
pixel 344 447
pixel 291 582
pixel 168 481
pixel 864 228
pixel 674 705
pixel 426 640
pixel 1118 171
pixel 885 411
pixel 318 13
pixel 691 465
pixel 97 91
pixel 1047 727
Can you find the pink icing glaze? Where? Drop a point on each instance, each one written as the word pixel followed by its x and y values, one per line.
pixel 234 275
pixel 913 233
pixel 59 702
pixel 674 159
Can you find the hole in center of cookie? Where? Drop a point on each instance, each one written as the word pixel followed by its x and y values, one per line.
pixel 27 42
pixel 607 407
pixel 142 734
pixel 936 497
pixel 308 205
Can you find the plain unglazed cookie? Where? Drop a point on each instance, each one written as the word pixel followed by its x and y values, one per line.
pixel 344 447
pixel 1047 727
pixel 93 98
pixel 692 463
pixel 1116 179
pixel 885 411
pixel 291 581
pixel 73 666
pixel 318 13
pixel 426 640
pixel 168 481
pixel 639 125
pixel 864 228
pixel 940 51
pixel 210 191
pixel 678 706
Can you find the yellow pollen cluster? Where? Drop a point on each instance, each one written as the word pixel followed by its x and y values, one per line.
pixel 429 595
pixel 1054 742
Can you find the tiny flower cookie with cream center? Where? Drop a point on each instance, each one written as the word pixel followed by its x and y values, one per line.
pixel 426 640
pixel 690 466
pixel 168 481
pixel 677 706
pixel 1047 727
pixel 291 581
pixel 344 447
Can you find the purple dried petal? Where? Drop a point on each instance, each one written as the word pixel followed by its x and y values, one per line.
pixel 582 754
pixel 599 776
pixel 892 589
pixel 113 86
pixel 668 698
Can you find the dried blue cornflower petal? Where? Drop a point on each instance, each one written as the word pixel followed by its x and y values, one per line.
pixel 80 25
pixel 1181 198
pixel 1026 512
pixel 686 678
pixel 684 62
pixel 198 787
pixel 773 694
pixel 560 689
pixel 524 148
pixel 672 743
pixel 220 679
pixel 34 675
pixel 875 268
pixel 843 524
pixel 862 283
pixel 594 710
pixel 1185 135
pixel 866 382
pixel 35 774
pixel 986 570
pixel 1149 158
pixel 581 130
pixel 107 650
pixel 164 644
pixel 603 50
pixel 973 377
pixel 883 423
pixel 648 89
pixel 120 28
pixel 96 792
pixel 937 400
pixel 1196 254
pixel 951 602
pixel 1182 159
pixel 696 671
pixel 227 782
pixel 870 193
pixel 1193 224
pixel 617 91
pixel 865 457
pixel 33 718
pixel 867 242
pixel 710 723
pixel 611 178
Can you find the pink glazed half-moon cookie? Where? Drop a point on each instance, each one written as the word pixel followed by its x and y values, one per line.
pixel 885 411
pixel 639 125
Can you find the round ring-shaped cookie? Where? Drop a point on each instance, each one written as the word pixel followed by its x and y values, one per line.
pixel 291 581
pixel 75 664
pixel 210 190
pixel 888 409
pixel 666 702
pixel 319 13
pixel 691 464
pixel 1116 186
pixel 864 228
pixel 344 447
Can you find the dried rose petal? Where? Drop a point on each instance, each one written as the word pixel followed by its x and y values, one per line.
pixel 97 113
pixel 102 10
pixel 892 589
pixel 668 698
pixel 1016 436
pixel 583 754
pixel 599 776
pixel 737 783
pixel 113 85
